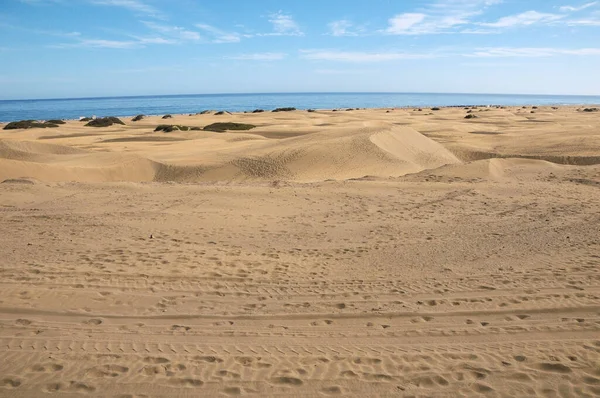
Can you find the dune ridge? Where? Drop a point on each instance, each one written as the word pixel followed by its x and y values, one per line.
pixel 384 151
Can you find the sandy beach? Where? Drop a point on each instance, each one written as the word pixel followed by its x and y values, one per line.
pixel 372 252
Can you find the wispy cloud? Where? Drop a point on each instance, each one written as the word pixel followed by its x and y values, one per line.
pixel 577 8
pixel 220 36
pixel 531 52
pixel 359 56
pixel 438 17
pixel 343 27
pixel 174 32
pixel 283 25
pixel 137 6
pixel 584 22
pixel 524 19
pixel 258 57
pixel 100 43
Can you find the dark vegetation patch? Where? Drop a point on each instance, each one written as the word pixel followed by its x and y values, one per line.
pixel 310 110
pixel 286 109
pixel 104 121
pixel 28 124
pixel 471 116
pixel 85 119
pixel 137 118
pixel 55 121
pixel 591 109
pixel 167 128
pixel 435 109
pixel 222 127
pixel 258 111
pixel 485 132
pixel 223 113
pixel 167 116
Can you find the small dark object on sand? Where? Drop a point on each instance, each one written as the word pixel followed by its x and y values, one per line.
pixel 137 118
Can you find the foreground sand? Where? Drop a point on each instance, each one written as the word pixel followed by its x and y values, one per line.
pixel 465 263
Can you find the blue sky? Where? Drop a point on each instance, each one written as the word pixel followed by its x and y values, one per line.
pixel 84 48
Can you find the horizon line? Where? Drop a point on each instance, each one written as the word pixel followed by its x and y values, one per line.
pixel 295 93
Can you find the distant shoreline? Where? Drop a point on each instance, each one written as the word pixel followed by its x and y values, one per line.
pixel 72 109
pixel 429 110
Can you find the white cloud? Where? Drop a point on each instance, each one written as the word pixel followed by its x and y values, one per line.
pixel 524 19
pixel 174 31
pixel 358 56
pixel 220 36
pixel 583 22
pixel 577 8
pixel 258 57
pixel 343 28
pixel 283 25
pixel 530 52
pixel 132 5
pixel 100 43
pixel 439 17
pixel 404 23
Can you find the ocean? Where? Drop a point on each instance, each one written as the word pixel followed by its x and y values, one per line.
pixel 73 108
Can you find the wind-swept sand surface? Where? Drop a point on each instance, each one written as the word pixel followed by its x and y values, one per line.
pixel 364 252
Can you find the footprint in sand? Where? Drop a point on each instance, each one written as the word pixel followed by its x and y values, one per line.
pixel 107 371
pixel 47 368
pixel 71 387
pixel 10 382
pixel 93 322
pixel 232 391
pixel 186 382
pixel 333 390
pixel 286 380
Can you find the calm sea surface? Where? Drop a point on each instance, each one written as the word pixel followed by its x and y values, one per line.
pixel 73 108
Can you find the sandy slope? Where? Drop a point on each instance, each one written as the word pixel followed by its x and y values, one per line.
pixel 283 271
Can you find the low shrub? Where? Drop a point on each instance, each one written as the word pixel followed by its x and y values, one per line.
pixel 435 109
pixel 470 116
pixel 287 109
pixel 104 121
pixel 167 128
pixel 167 116
pixel 55 121
pixel 258 111
pixel 591 109
pixel 310 110
pixel 28 124
pixel 137 118
pixel 221 127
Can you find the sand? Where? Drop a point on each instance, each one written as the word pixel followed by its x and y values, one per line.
pixel 357 253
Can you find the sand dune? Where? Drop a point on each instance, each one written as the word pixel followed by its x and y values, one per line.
pixel 349 152
pixel 359 253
